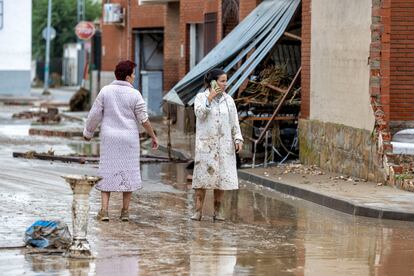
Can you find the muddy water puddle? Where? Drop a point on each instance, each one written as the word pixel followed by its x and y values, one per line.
pixel 266 233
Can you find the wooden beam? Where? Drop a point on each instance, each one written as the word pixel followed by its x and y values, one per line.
pixel 290 35
pixel 275 88
pixel 278 118
pixel 281 101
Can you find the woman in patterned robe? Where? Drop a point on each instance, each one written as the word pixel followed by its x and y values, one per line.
pixel 119 108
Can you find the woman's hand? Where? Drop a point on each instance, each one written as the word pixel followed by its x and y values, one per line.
pixel 86 138
pixel 213 93
pixel 154 143
pixel 239 147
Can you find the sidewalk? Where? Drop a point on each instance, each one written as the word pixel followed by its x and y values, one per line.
pixel 332 190
pixel 366 199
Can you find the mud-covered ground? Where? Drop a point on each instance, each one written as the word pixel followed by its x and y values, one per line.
pixel 266 233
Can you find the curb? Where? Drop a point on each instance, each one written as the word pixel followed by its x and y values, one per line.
pixel 318 198
pixel 327 201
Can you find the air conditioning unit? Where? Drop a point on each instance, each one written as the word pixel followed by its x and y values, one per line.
pixel 113 14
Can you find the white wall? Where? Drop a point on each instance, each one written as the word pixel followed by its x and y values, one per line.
pixel 340 73
pixel 16 36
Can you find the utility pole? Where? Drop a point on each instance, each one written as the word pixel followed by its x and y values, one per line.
pixel 47 61
pixel 81 10
pixel 80 16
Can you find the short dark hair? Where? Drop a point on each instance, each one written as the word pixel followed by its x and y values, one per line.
pixel 213 74
pixel 123 69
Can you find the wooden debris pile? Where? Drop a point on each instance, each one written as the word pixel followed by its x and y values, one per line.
pixel 268 109
pixel 265 92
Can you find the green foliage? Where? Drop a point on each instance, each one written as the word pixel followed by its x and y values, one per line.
pixel 64 14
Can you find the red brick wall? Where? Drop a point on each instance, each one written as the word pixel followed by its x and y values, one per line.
pixel 402 60
pixel 117 39
pixel 246 6
pixel 192 11
pixel 306 65
pixel 171 46
pixel 380 65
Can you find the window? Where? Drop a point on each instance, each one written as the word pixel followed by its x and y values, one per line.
pixel 196 44
pixel 1 14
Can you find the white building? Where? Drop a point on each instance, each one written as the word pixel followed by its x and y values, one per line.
pixel 15 47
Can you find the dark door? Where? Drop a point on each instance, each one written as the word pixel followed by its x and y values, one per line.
pixel 210 31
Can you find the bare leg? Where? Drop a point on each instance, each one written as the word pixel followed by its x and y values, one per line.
pixel 126 200
pixel 218 199
pixel 199 201
pixel 103 213
pixel 105 200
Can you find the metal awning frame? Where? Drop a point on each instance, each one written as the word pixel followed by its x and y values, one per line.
pixel 253 46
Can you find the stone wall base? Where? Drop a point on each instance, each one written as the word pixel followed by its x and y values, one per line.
pixel 341 149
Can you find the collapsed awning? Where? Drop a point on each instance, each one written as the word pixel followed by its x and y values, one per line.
pixel 256 35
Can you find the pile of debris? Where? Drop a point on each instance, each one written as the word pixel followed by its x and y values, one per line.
pixel 50 116
pixel 297 168
pixel 269 108
pixel 264 92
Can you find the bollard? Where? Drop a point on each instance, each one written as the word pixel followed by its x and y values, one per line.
pixel 81 187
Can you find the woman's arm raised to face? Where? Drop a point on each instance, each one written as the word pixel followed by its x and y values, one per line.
pixel 201 106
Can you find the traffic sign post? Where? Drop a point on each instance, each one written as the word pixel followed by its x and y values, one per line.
pixel 52 33
pixel 85 30
pixel 48 37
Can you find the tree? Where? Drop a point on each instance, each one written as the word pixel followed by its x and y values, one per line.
pixel 64 20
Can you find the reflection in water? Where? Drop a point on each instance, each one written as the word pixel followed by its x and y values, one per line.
pixel 266 233
pixel 117 266
pixel 89 149
pixel 53 263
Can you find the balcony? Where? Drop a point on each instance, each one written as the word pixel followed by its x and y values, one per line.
pixel 155 2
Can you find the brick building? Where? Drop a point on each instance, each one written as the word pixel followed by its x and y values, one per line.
pixel 357 86
pixel 168 37
pixel 357 71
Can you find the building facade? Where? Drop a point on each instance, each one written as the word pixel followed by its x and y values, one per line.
pixel 15 47
pixel 357 85
pixel 166 39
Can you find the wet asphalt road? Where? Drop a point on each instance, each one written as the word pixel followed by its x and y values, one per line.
pixel 266 233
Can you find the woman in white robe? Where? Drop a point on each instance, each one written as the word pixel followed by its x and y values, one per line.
pixel 218 139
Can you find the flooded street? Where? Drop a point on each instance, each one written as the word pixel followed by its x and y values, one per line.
pixel 266 233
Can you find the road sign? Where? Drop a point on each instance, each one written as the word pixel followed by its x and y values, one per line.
pixel 52 33
pixel 85 30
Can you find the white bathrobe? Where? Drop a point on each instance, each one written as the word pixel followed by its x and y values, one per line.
pixel 217 132
pixel 120 108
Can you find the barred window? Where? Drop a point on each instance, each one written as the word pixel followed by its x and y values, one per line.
pixel 1 14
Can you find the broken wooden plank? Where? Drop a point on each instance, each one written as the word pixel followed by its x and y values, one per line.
pixel 282 100
pixel 52 157
pixel 275 88
pixel 81 159
pixel 290 35
pixel 277 118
